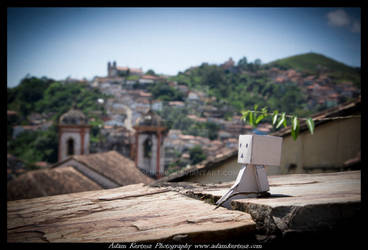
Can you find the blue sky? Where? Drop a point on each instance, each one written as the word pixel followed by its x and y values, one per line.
pixel 78 42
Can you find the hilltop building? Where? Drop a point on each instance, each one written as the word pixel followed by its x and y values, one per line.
pixel 73 134
pixel 114 71
pixel 228 64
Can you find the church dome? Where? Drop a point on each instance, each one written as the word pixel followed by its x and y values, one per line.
pixel 73 117
pixel 150 119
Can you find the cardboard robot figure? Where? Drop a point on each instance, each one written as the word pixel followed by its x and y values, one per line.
pixel 255 151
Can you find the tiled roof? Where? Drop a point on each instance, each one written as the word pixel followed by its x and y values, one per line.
pixel 14 166
pixel 112 165
pixel 73 117
pixel 150 119
pixel 136 70
pixel 176 103
pixel 47 182
pixel 11 112
pixel 150 77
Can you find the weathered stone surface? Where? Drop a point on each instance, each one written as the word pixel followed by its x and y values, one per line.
pixel 303 202
pixel 169 212
pixel 134 213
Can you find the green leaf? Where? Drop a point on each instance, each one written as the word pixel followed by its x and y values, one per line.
pixel 310 124
pixel 244 115
pixel 264 111
pixel 274 117
pixel 294 122
pixel 284 123
pixel 281 121
pixel 259 118
pixel 251 118
pixel 254 115
pixel 294 134
pixel 295 130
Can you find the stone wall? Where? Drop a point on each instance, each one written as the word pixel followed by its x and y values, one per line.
pixel 327 149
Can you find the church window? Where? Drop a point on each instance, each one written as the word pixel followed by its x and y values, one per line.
pixel 70 147
pixel 147 148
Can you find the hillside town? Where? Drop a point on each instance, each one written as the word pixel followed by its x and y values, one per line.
pixel 184 128
pixel 129 100
pixel 128 104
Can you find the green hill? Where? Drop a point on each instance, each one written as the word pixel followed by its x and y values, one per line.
pixel 312 63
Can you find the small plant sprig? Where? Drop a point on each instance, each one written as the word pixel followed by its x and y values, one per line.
pixel 277 120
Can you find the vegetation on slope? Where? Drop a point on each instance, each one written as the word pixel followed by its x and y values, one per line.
pixel 242 87
pixel 47 96
pixel 312 63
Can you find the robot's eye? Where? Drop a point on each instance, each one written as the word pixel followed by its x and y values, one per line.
pixel 246 145
pixel 240 145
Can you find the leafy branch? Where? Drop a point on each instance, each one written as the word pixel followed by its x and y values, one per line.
pixel 277 120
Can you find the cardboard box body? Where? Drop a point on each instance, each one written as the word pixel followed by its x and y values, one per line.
pixel 259 150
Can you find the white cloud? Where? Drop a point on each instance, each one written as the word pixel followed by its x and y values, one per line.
pixel 356 27
pixel 338 18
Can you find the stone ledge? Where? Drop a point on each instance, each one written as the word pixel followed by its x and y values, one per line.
pixel 298 203
pixel 184 212
pixel 134 213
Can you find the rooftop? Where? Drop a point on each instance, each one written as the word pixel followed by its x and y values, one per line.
pixel 133 70
pixel 77 173
pixel 73 117
pixel 47 182
pixel 113 166
pixel 150 119
pixel 11 112
pixel 150 77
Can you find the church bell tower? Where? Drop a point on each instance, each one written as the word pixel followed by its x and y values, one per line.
pixel 73 134
pixel 149 144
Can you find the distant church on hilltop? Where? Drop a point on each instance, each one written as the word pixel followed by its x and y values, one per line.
pixel 114 71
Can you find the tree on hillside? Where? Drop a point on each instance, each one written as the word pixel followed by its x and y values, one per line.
pixel 165 92
pixel 151 72
pixel 242 63
pixel 257 63
pixel 196 154
pixel 35 146
pixel 24 97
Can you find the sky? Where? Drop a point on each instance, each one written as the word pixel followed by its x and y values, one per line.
pixel 79 42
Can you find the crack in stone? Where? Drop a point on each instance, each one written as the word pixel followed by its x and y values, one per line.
pixel 294 184
pixel 268 220
pixel 121 197
pixel 34 233
pixel 63 218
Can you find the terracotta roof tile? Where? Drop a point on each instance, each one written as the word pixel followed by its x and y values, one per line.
pixel 149 77
pixel 47 182
pixel 115 167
